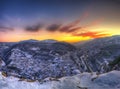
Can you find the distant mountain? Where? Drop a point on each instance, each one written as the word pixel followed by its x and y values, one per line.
pixel 99 41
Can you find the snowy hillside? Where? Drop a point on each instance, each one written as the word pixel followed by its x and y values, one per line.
pixel 109 80
pixel 51 64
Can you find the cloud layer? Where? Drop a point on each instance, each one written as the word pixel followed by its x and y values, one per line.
pixel 73 28
pixel 5 29
pixel 53 27
pixel 34 28
pixel 91 34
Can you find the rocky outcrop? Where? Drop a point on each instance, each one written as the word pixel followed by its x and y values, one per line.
pixel 4 46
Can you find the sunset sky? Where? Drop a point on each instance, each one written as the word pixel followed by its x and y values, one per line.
pixel 63 20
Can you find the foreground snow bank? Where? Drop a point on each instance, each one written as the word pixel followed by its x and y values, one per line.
pixel 109 80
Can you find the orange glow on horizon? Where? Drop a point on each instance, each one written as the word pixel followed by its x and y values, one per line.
pixel 20 35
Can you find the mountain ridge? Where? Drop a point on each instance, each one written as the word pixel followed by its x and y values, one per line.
pixel 34 59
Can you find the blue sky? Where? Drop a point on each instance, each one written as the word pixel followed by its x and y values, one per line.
pixel 22 14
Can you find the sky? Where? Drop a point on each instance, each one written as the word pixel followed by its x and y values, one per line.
pixel 62 20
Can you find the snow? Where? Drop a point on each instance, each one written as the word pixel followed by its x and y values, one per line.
pixel 109 80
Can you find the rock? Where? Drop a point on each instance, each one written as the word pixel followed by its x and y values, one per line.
pixel 4 46
pixel 2 63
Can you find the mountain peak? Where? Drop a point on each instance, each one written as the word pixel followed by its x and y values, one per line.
pixel 49 41
pixel 30 40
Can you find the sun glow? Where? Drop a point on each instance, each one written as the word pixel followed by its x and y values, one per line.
pixel 18 35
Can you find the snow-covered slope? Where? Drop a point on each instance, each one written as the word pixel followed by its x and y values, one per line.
pixel 59 61
pixel 109 80
pixel 4 46
pixel 98 53
pixel 37 60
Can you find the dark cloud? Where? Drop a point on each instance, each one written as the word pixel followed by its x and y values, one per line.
pixel 74 26
pixel 68 28
pixel 73 29
pixel 34 28
pixel 53 27
pixel 4 29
